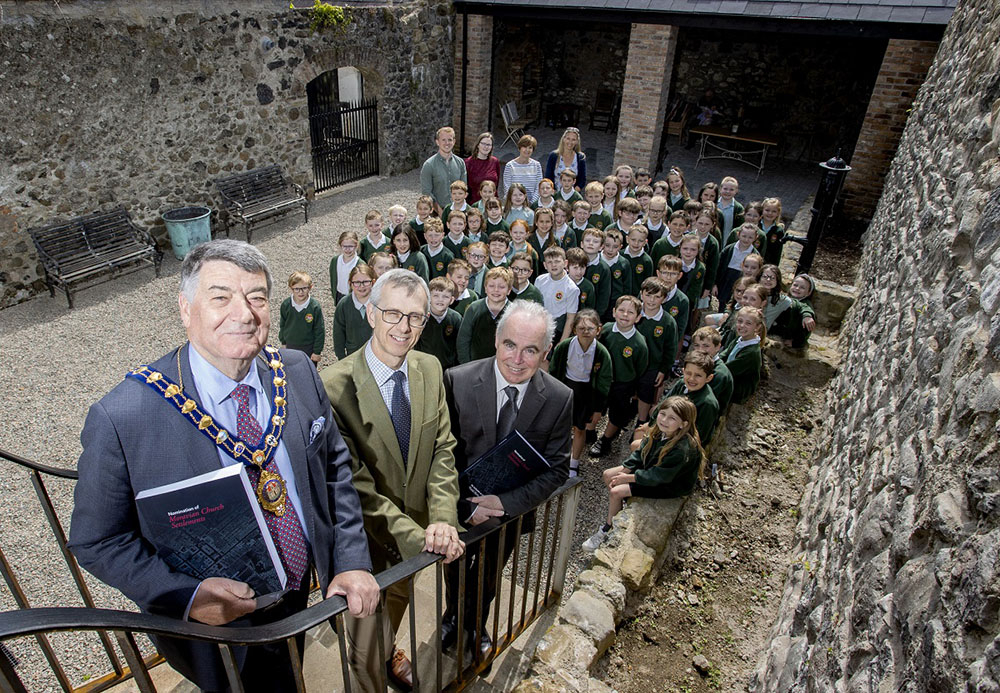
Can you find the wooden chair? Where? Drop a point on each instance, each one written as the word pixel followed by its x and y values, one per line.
pixel 602 115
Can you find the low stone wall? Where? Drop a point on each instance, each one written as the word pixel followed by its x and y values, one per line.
pixel 142 103
pixel 644 535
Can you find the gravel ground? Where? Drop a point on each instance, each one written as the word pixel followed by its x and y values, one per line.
pixel 58 362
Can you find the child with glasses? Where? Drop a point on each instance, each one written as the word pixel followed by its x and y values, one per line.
pixel 302 326
pixel 350 321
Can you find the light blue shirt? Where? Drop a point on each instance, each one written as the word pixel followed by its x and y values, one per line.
pixel 741 344
pixel 727 215
pixel 215 390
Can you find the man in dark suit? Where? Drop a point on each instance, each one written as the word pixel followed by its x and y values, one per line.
pixel 487 399
pixel 135 439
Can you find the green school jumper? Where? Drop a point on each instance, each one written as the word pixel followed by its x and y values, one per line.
pixel 418 228
pixel 446 212
pixel 629 355
pixel 600 373
pixel 530 293
pixel 440 338
pixel 437 265
pixel 620 272
pixel 588 297
pixel 789 323
pixel 745 368
pixel 680 309
pixel 710 256
pixel 775 240
pixel 661 341
pixel 693 282
pixel 722 384
pixel 673 476
pixel 663 247
pixel 350 328
pixel 600 220
pixel 705 402
pixel 416 262
pixel 477 335
pixel 569 239
pixel 738 212
pixel 540 246
pixel 575 197
pixel 456 248
pixel 461 305
pixel 498 226
pixel 302 329
pixel 760 245
pixel 600 276
pixel 366 249
pixel 640 269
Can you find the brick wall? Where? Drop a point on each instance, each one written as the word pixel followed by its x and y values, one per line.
pixel 904 68
pixel 645 93
pixel 478 74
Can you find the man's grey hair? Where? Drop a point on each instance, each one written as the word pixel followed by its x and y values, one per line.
pixel 530 309
pixel 245 256
pixel 402 279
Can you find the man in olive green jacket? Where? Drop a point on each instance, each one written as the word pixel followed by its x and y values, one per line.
pixel 389 403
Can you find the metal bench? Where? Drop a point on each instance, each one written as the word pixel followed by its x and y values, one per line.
pixel 260 195
pixel 89 247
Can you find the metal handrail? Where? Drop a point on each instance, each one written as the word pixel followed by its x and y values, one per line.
pixel 39 622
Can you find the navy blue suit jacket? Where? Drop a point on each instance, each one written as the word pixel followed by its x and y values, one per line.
pixel 134 440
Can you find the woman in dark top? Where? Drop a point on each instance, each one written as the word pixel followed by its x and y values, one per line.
pixel 482 165
pixel 567 155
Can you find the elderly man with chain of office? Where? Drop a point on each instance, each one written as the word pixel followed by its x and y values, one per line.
pixel 223 398
pixel 389 402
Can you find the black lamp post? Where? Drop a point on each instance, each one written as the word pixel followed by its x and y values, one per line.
pixel 834 172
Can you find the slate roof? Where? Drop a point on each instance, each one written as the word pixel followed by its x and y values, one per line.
pixel 930 12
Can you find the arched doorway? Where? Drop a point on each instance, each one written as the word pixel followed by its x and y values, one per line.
pixel 343 128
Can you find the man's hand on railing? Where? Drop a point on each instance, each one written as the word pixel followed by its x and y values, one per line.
pixel 487 507
pixel 360 590
pixel 221 600
pixel 442 538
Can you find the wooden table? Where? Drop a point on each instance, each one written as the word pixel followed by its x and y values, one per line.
pixel 755 157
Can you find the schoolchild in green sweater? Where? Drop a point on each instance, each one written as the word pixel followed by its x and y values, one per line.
pixel 382 263
pixel 494 217
pixel 475 227
pixel 407 251
pixel 374 241
pixel 583 364
pixel 669 271
pixel 456 239
pixel 425 208
pixel 440 335
pixel 752 215
pixel 619 270
pixel 437 255
pixel 567 187
pixel 640 264
pixel 597 217
pixel 541 236
pixel 629 359
pixel 677 195
pixel 459 192
pixel 521 267
pixel 564 235
pixel 699 371
pixel 670 243
pixel 704 225
pixel 351 329
pixel 576 267
pixel 597 272
pixel 744 357
pixel 477 335
pixel 302 326
pixel 459 272
pixel 546 196
pixel 692 274
pixel 629 210
pixel 728 208
pixel 796 324
pixel 342 264
pixel 708 341
pixel 667 463
pixel 774 230
pixel 519 231
pixel 660 331
pixel 476 254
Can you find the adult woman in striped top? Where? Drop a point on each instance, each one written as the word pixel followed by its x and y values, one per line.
pixel 524 169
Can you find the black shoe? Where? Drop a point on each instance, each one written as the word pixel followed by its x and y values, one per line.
pixel 449 632
pixel 591 437
pixel 602 447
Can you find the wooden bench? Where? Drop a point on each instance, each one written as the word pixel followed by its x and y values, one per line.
pixel 88 247
pixel 260 195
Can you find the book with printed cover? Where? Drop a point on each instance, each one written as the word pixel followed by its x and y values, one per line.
pixel 211 525
pixel 511 463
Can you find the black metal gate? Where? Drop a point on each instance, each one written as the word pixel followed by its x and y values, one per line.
pixel 344 135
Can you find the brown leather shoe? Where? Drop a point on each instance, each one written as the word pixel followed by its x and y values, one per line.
pixel 399 671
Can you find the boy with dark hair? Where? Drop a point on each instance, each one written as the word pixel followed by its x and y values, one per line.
pixel 459 191
pixel 562 213
pixel 456 239
pixel 597 271
pixel 440 335
pixel 425 208
pixel 640 264
pixel 629 211
pixel 560 294
pixel 576 268
pixel 629 358
pixel 567 190
pixel 437 255
pixel 374 240
pixel 670 244
pixel 580 222
pixel 459 272
pixel 699 370
pixel 660 331
pixel 499 245
pixel 708 341
pixel 618 266
pixel 669 271
pixel 522 266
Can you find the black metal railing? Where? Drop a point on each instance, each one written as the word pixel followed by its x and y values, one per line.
pixel 344 143
pixel 536 576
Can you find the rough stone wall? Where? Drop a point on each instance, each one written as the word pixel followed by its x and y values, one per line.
pixel 143 103
pixel 895 582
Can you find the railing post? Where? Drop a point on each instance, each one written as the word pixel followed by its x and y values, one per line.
pixel 572 500
pixel 134 658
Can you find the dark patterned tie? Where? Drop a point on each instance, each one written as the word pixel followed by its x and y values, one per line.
pixel 401 414
pixel 508 413
pixel 285 530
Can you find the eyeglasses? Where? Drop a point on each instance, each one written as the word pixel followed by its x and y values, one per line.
pixel 301 289
pixel 521 270
pixel 476 256
pixel 361 282
pixel 393 317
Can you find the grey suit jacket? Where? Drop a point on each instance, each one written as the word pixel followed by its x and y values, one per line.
pixel 544 418
pixel 135 440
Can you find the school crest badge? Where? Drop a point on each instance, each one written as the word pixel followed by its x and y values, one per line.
pixel 658 331
pixel 559 295
pixel 596 278
pixel 627 352
pixel 308 317
pixel 439 266
pixel 698 274
pixel 639 269
pixel 583 297
pixel 448 330
pixel 673 311
pixel 618 274
pixel 597 366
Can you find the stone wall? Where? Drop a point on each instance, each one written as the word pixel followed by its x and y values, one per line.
pixel 143 103
pixel 895 581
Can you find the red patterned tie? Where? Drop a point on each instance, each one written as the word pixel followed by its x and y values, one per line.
pixel 285 530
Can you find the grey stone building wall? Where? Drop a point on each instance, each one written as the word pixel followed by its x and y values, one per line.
pixel 143 103
pixel 895 583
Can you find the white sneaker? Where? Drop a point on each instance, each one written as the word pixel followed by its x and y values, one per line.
pixel 596 539
pixel 574 471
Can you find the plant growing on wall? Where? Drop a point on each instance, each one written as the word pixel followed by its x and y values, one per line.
pixel 323 16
